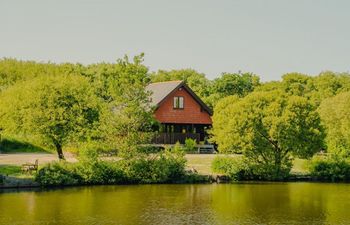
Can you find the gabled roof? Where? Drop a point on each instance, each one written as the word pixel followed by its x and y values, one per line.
pixel 161 90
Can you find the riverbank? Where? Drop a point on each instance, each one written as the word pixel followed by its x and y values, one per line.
pixel 198 169
pixel 191 178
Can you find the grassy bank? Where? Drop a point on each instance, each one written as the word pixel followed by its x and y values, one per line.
pixel 202 163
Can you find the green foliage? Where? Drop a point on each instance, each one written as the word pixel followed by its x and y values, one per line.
pixel 177 147
pixel 314 88
pixel 190 145
pixel 13 71
pixel 335 115
pixel 158 168
pixel 58 174
pixel 65 105
pixel 268 128
pixel 331 168
pixel 235 168
pixel 92 170
pixel 128 123
pixel 57 110
pixel 239 84
pixel 242 168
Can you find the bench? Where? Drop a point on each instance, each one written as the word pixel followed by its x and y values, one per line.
pixel 29 167
pixel 206 149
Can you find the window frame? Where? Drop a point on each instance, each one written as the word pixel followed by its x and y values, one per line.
pixel 177 102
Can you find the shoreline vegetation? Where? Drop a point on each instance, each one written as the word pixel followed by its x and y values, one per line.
pixel 64 174
pixel 103 108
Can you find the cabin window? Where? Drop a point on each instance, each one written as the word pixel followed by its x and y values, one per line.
pixel 178 102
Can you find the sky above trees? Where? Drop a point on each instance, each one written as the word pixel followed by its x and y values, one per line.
pixel 268 38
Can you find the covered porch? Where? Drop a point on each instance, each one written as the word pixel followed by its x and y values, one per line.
pixel 173 133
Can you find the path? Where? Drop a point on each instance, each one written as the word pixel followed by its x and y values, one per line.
pixel 21 158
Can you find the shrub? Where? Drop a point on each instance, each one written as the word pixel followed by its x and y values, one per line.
pixel 240 168
pixel 177 147
pixel 100 172
pixel 58 174
pixel 232 167
pixel 158 168
pixel 190 145
pixel 147 149
pixel 333 168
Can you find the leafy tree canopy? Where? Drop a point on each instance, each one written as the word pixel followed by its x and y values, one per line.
pixel 55 110
pixel 335 115
pixel 268 128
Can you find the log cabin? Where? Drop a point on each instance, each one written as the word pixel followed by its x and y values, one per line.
pixel 180 112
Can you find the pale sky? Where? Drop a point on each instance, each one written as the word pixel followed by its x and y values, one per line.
pixel 266 37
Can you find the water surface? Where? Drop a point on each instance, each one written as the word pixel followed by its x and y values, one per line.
pixel 247 203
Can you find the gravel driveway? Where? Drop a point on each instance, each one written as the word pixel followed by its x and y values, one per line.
pixel 21 158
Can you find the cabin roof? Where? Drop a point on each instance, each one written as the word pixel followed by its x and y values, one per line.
pixel 161 90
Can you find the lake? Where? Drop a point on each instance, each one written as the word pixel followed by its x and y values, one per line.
pixel 244 203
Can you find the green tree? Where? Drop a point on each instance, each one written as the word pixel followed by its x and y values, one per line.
pixel 128 123
pixel 268 128
pixel 335 115
pixel 55 110
pixel 227 84
pixel 315 89
pixel 12 70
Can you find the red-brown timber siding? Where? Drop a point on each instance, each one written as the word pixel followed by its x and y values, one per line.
pixel 191 114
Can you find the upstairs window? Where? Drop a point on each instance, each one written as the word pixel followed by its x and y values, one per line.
pixel 178 102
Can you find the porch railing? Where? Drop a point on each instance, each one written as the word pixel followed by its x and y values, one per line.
pixel 172 138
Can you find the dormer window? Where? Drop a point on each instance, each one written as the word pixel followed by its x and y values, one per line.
pixel 178 102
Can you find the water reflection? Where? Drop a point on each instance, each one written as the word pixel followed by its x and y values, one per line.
pixel 247 203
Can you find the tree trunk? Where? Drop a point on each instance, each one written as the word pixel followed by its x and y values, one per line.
pixel 59 151
pixel 278 163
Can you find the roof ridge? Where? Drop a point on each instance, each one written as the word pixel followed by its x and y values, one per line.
pixel 169 81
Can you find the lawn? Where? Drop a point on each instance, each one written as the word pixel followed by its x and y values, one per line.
pixel 10 170
pixel 202 163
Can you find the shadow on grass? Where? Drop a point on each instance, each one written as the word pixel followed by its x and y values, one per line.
pixel 14 146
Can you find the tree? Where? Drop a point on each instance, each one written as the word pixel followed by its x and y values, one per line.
pixel 315 89
pixel 239 84
pixel 105 104
pixel 12 70
pixel 55 110
pixel 335 115
pixel 268 128
pixel 128 123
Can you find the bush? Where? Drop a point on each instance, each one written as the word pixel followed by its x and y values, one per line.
pixel 158 168
pixel 58 174
pixel 330 168
pixel 270 171
pixel 240 168
pixel 190 145
pixel 232 167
